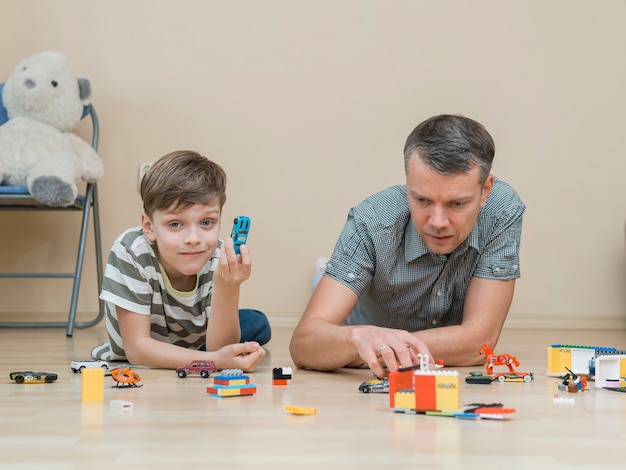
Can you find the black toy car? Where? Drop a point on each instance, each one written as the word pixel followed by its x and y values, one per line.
pixel 33 377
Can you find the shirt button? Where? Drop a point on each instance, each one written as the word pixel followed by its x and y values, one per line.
pixel 438 293
pixel 496 269
pixel 351 275
pixel 434 322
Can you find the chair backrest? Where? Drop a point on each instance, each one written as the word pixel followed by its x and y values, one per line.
pixel 4 116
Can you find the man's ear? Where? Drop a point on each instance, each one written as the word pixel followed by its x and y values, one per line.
pixel 147 227
pixel 486 189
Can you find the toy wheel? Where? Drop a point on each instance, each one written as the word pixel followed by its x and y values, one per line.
pixel 502 378
pixel 182 374
pixel 49 380
pixel 81 369
pixel 204 374
pixel 527 378
pixel 104 367
pixel 19 379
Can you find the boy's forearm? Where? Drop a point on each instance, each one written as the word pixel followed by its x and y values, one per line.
pixel 159 355
pixel 223 323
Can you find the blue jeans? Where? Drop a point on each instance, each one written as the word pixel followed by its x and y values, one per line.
pixel 254 326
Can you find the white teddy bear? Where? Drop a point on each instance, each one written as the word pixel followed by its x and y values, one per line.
pixel 45 98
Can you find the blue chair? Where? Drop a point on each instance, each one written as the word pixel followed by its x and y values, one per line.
pixel 17 198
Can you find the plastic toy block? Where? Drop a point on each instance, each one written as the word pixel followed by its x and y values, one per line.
pixel 281 375
pixel 579 359
pixel 609 370
pixel 231 391
pixel 121 405
pixel 417 390
pixel 231 381
pixel 557 400
pixel 300 410
pixel 93 384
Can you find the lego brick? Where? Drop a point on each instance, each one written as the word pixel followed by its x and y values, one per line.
pixel 231 381
pixel 300 410
pixel 228 391
pixel 92 384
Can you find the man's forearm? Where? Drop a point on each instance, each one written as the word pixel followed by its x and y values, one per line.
pixel 456 346
pixel 319 345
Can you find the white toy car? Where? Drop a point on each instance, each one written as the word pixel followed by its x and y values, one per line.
pixel 79 365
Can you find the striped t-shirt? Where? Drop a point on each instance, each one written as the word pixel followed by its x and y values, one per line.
pixel 400 284
pixel 135 281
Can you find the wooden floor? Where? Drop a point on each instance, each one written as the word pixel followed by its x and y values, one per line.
pixel 175 424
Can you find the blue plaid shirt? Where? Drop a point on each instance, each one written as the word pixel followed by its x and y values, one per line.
pixel 400 284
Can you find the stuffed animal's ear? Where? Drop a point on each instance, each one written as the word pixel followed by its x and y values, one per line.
pixel 84 89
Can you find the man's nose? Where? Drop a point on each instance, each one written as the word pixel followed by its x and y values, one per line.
pixel 439 217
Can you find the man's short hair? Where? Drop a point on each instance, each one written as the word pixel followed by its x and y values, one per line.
pixel 451 144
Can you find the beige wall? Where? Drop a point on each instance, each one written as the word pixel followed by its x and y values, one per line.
pixel 307 105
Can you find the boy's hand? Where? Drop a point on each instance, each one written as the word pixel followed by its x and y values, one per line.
pixel 244 356
pixel 233 268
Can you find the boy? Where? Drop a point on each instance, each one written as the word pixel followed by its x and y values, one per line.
pixel 171 286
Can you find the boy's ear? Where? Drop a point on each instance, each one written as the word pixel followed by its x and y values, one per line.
pixel 147 228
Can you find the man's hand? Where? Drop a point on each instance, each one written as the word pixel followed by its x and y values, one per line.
pixel 388 348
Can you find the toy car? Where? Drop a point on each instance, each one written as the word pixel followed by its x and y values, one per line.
pixel 33 377
pixel 240 231
pixel 514 377
pixel 375 386
pixel 201 368
pixel 80 364
pixel 477 377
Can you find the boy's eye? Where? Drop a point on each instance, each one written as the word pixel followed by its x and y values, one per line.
pixel 207 223
pixel 174 224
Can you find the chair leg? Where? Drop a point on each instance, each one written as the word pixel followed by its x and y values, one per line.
pixel 91 203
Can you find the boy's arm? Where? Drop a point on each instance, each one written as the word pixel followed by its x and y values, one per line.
pixel 141 348
pixel 223 323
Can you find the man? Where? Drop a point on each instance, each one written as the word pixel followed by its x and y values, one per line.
pixel 423 268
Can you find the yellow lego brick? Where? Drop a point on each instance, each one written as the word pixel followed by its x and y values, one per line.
pixel 93 384
pixel 300 410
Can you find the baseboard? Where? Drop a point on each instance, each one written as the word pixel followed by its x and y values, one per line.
pixel 519 321
pixel 570 322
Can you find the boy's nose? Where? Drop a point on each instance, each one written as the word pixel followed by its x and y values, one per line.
pixel 192 236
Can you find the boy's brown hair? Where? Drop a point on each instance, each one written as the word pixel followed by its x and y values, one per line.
pixel 182 179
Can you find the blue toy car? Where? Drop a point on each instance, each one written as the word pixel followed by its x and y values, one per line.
pixel 240 231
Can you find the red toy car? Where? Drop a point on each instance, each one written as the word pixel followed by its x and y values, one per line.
pixel 201 368
pixel 514 377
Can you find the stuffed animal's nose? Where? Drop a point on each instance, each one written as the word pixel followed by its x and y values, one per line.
pixel 28 83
